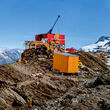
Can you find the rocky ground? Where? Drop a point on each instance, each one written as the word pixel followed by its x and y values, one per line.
pixel 35 86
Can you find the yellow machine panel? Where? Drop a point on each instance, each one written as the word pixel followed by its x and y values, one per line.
pixel 57 36
pixel 65 62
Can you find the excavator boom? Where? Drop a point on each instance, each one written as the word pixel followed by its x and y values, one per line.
pixel 50 31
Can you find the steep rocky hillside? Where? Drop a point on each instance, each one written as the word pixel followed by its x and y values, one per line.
pixel 35 86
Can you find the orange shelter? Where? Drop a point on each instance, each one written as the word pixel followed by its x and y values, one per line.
pixel 65 62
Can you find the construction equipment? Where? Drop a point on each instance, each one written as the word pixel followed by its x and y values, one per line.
pixel 80 64
pixel 70 49
pixel 47 44
pixel 22 60
pixel 50 31
pixel 48 41
pixel 19 60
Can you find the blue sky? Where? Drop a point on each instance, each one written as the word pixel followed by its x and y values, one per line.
pixel 82 21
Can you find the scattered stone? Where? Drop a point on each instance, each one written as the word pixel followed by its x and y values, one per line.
pixel 36 86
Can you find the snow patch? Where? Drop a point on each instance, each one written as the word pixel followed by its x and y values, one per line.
pixel 100 45
pixel 9 55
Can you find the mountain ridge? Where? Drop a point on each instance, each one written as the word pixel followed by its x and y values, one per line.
pixel 103 44
pixel 9 55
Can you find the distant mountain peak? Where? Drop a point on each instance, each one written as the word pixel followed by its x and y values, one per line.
pixel 103 38
pixel 103 44
pixel 9 55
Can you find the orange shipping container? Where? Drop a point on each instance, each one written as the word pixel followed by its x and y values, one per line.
pixel 65 62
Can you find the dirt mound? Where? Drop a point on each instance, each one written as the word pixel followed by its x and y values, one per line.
pixel 102 55
pixel 30 53
pixel 92 61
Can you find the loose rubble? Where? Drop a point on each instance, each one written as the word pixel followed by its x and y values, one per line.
pixel 36 86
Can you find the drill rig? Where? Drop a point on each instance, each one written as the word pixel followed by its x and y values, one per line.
pixel 48 41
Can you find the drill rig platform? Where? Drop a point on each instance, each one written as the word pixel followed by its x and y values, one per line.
pixel 48 41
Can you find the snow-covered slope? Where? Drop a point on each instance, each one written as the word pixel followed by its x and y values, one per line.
pixel 9 55
pixel 103 44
